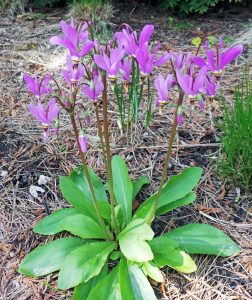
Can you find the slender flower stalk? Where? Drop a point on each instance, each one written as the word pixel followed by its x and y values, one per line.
pixel 101 136
pixel 168 154
pixel 107 146
pixel 84 163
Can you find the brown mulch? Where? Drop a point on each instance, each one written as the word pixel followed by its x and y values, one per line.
pixel 24 47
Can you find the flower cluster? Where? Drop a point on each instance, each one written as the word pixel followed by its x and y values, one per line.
pixel 89 63
pixel 196 76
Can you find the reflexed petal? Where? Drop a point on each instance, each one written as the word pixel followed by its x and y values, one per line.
pixel 53 110
pixel 163 59
pixel 199 61
pixel 64 27
pixel 87 46
pixel 66 75
pixel 230 55
pixel 89 93
pixel 200 79
pixel 211 60
pixel 100 61
pixel 184 83
pixel 146 34
pixel 56 40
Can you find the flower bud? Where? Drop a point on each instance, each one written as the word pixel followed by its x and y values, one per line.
pixel 56 128
pixel 91 85
pixel 83 141
pixel 180 115
pixel 201 102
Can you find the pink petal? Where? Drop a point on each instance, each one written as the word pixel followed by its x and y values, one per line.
pixel 100 61
pixel 146 34
pixel 199 61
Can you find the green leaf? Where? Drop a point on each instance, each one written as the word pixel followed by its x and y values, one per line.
pixel 177 187
pixel 49 257
pixel 78 176
pixel 124 280
pixel 122 186
pixel 82 291
pixel 203 239
pixel 119 217
pixel 212 40
pixel 75 196
pixel 132 241
pixel 187 199
pixel 140 284
pixel 51 224
pixel 138 184
pixel 167 253
pixel 153 272
pixel 84 263
pixel 83 226
pixel 115 255
pixel 133 283
pixel 108 288
pixel 196 41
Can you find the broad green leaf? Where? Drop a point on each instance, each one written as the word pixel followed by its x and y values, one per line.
pixel 153 272
pixel 105 210
pixel 132 241
pixel 84 263
pixel 138 184
pixel 83 226
pixel 51 224
pixel 75 196
pixel 203 239
pixel 108 288
pixel 134 285
pixel 78 176
pixel 140 284
pixel 49 257
pixel 177 187
pixel 82 291
pixel 187 199
pixel 124 280
pixel 167 253
pixel 122 186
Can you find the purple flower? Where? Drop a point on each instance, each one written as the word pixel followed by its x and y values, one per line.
pixel 110 63
pixel 74 72
pixel 216 62
pixel 125 69
pixel 128 39
pixel 210 87
pixel 94 88
pixel 45 114
pixel 147 61
pixel 190 83
pixel 33 85
pixel 163 86
pixel 74 39
pixel 181 60
pixel 83 141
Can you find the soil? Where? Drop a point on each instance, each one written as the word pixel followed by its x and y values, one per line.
pixel 24 156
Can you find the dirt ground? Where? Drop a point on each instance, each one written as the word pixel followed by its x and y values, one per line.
pixel 24 48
